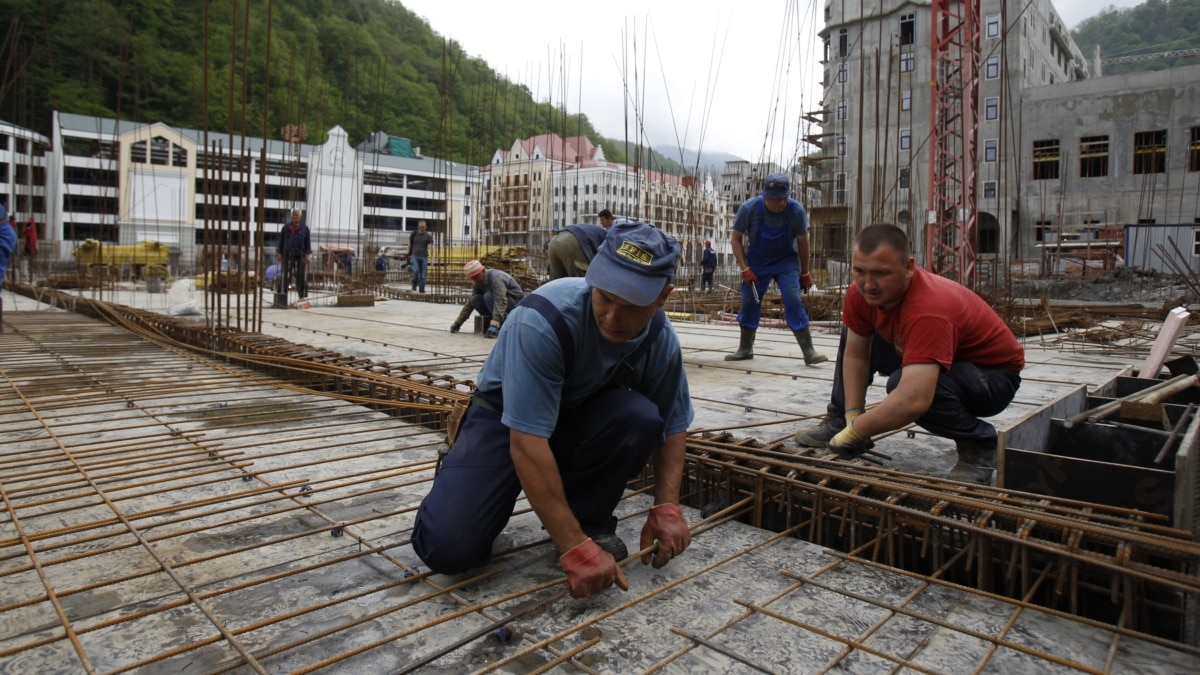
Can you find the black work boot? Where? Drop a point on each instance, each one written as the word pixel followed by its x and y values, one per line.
pixel 811 357
pixel 745 347
pixel 975 464
pixel 613 545
pixel 818 436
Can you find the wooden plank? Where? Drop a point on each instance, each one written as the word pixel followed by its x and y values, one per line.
pixel 356 300
pixel 1131 487
pixel 1032 432
pixel 1187 487
pixel 1174 323
pixel 1109 389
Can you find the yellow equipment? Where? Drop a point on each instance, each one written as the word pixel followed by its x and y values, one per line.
pixel 146 258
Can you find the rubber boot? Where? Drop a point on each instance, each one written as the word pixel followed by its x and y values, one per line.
pixel 975 462
pixel 745 347
pixel 811 357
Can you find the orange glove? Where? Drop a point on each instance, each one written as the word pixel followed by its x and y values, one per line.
pixel 591 570
pixel 749 276
pixel 806 282
pixel 667 525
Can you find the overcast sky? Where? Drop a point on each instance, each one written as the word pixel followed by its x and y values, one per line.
pixel 723 76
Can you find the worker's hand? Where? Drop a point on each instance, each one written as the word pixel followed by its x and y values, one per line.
pixel 666 525
pixel 455 326
pixel 492 331
pixel 806 281
pixel 848 443
pixel 749 276
pixel 590 570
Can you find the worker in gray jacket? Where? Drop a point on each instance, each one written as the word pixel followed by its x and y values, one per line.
pixel 493 293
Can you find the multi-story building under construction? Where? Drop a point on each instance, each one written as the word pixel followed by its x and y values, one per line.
pixel 873 163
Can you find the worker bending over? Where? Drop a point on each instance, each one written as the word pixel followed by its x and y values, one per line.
pixel 584 386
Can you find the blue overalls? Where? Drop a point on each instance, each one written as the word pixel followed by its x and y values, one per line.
pixel 598 446
pixel 772 255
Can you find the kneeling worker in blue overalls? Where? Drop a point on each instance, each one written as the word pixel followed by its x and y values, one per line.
pixel 595 387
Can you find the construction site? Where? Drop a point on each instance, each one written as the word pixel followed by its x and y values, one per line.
pixel 206 471
pixel 186 495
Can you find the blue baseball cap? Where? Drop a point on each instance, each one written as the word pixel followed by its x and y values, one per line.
pixel 635 262
pixel 777 186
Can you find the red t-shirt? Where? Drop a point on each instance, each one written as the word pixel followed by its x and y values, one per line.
pixel 938 321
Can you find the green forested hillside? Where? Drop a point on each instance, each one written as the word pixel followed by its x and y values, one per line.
pixel 366 65
pixel 1154 26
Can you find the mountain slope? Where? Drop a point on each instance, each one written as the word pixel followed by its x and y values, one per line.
pixel 1152 27
pixel 366 65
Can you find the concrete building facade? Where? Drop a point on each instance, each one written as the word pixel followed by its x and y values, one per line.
pixel 545 181
pixel 873 162
pixel 123 182
pixel 742 180
pixel 1112 151
pixel 23 173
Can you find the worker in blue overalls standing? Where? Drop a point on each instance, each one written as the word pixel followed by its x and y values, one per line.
pixel 770 241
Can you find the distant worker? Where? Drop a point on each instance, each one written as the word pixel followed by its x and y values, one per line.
pixel 294 251
pixel 770 241
pixel 8 244
pixel 606 218
pixel 12 228
pixel 572 249
pixel 584 387
pixel 418 255
pixel 381 263
pixel 31 238
pixel 949 358
pixel 708 265
pixel 493 294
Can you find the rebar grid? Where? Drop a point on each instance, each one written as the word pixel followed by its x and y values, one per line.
pixel 1107 562
pixel 278 524
pixel 410 394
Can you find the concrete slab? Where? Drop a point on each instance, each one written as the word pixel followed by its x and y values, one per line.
pixel 166 499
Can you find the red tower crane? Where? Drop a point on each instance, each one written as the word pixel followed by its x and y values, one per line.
pixel 951 222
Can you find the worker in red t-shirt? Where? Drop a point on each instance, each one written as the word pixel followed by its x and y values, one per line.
pixel 949 358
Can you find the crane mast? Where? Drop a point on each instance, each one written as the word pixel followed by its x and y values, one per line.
pixel 951 222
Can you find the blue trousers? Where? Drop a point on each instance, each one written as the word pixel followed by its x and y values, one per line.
pixel 598 446
pixel 964 393
pixel 420 266
pixel 787 278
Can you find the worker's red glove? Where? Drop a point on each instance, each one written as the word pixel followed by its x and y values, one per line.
pixel 806 282
pixel 667 525
pixel 590 570
pixel 749 276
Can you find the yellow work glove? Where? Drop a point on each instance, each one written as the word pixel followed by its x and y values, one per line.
pixel 848 443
